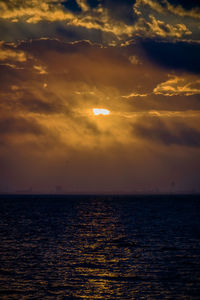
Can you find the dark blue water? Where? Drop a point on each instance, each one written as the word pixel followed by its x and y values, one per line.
pixel 100 247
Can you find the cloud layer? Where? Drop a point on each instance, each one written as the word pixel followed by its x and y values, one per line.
pixel 138 59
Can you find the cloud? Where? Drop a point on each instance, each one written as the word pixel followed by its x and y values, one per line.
pixel 66 59
pixel 167 133
pixel 163 21
pixel 107 22
pixel 134 60
pixel 120 10
pixel 102 74
pixel 34 104
pixel 94 19
pixel 153 27
pixel 100 20
pixel 83 5
pixel 175 56
pixel 178 86
pixel 164 7
pixel 40 69
pixel 82 76
pixel 19 125
pixel 7 54
pixel 33 11
pixel 160 28
pixel 132 95
pixel 61 58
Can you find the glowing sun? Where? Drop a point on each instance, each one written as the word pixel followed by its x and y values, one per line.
pixel 100 111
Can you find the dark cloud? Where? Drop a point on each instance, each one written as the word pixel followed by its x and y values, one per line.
pixel 71 65
pixel 174 133
pixel 81 61
pixel 15 31
pixel 40 46
pixel 19 125
pixel 36 105
pixel 105 22
pixel 178 56
pixel 163 103
pixel 72 34
pixel 8 76
pixel 55 30
pixel 66 60
pixel 120 10
pixel 15 4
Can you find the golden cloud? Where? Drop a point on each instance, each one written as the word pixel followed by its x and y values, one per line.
pixel 34 11
pixel 134 60
pixel 134 95
pixel 100 18
pixel 157 28
pixel 97 18
pixel 11 54
pixel 40 69
pixel 177 10
pixel 83 4
pixel 103 77
pixel 177 86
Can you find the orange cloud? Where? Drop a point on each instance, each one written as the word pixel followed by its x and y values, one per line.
pixel 40 69
pixel 11 54
pixel 167 7
pixel 157 28
pixel 101 19
pixel 178 86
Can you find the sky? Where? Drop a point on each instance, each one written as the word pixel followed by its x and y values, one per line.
pixel 139 60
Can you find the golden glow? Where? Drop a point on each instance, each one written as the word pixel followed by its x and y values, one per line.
pixel 101 111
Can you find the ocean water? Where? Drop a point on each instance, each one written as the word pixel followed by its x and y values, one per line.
pixel 100 247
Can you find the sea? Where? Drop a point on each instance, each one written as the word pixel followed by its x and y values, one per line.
pixel 99 247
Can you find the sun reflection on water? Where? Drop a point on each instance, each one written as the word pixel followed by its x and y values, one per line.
pixel 99 260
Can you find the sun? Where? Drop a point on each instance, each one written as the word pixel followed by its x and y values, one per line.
pixel 100 111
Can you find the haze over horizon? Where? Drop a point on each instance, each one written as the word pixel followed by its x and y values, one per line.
pixel 99 96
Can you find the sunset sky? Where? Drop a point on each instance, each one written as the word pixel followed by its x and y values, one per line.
pixel 138 60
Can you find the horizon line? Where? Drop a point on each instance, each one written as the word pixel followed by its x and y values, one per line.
pixel 183 193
